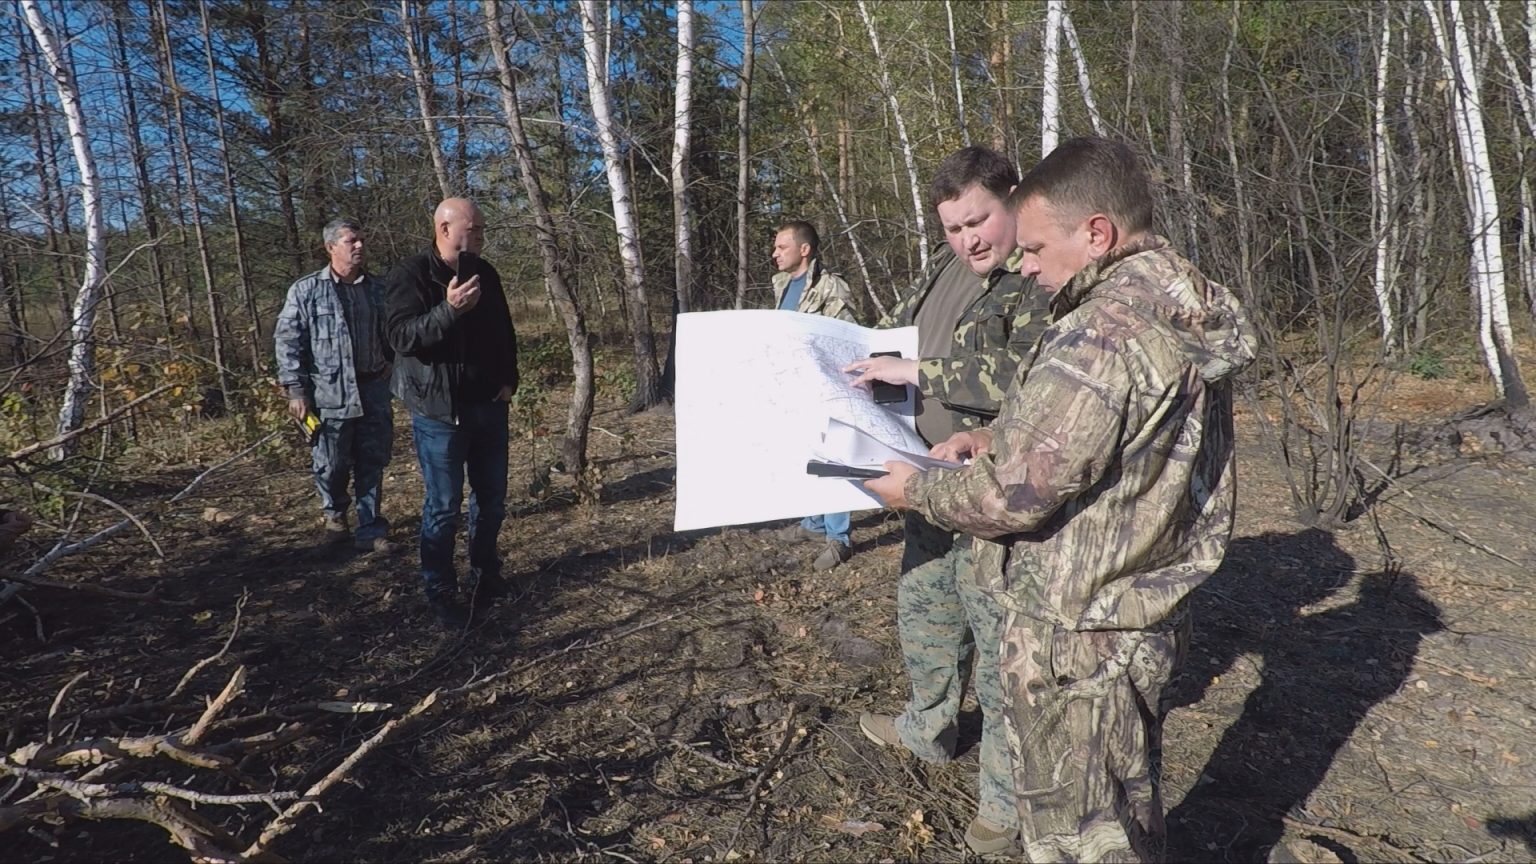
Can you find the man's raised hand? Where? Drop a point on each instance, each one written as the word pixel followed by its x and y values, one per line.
pixel 464 297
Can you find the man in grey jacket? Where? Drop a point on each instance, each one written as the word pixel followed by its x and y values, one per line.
pixel 333 360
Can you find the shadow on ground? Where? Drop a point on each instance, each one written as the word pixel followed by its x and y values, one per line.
pixel 1322 671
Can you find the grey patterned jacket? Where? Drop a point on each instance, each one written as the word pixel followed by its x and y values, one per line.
pixel 315 357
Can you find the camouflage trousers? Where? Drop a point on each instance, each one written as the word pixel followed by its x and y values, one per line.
pixel 1084 728
pixel 949 628
pixel 354 453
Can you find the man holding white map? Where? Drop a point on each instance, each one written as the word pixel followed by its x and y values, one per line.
pixel 802 284
pixel 976 318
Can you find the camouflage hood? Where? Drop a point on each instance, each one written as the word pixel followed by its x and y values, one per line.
pixel 1204 316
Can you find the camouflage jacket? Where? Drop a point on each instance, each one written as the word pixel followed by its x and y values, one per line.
pixel 992 336
pixel 825 293
pixel 314 346
pixel 1108 492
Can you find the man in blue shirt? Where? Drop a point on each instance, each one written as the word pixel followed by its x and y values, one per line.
pixel 803 285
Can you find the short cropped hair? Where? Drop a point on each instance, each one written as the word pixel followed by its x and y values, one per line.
pixel 1090 175
pixel 805 232
pixel 333 229
pixel 972 166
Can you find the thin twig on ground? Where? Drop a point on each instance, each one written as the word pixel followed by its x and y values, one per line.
pixel 197 667
pixel 289 817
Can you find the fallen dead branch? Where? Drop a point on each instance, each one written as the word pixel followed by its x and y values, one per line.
pixel 288 818
pixel 157 778
pixel 41 446
pixel 29 577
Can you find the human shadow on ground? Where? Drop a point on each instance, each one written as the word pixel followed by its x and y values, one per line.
pixel 1321 673
pixel 1522 828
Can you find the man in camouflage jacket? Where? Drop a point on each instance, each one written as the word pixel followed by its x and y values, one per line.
pixel 822 292
pixel 976 317
pixel 334 360
pixel 1100 497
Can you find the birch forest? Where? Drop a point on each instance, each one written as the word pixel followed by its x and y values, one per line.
pixel 1361 172
pixel 168 165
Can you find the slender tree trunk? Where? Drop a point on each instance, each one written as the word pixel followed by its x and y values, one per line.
pixel 41 130
pixel 461 124
pixel 1525 99
pixel 278 142
pixel 594 31
pixel 1050 78
pixel 573 448
pixel 1235 164
pixel 998 66
pixel 682 227
pixel 1482 203
pixel 744 152
pixel 1084 85
pixel 901 132
pixel 10 275
pixel 215 307
pixel 1381 185
pixel 82 343
pixel 1177 140
pixel 141 166
pixel 417 54
pixel 954 73
pixel 826 182
pixel 159 30
pixel 1130 64
pixel 1421 198
pixel 682 122
pixel 253 330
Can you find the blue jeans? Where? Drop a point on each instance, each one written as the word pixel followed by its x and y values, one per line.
pixel 477 446
pixel 834 525
pixel 355 452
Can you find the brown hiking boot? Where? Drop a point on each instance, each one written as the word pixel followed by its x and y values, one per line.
pixel 984 838
pixel 832 556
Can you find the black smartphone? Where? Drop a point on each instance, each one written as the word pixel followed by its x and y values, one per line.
pixel 884 393
pixel 467 265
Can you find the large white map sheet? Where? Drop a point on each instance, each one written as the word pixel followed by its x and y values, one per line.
pixel 755 389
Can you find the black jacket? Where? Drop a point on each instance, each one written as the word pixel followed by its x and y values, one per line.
pixel 446 358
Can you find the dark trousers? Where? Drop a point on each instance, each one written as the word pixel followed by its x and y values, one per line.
pixel 475 447
pixel 355 452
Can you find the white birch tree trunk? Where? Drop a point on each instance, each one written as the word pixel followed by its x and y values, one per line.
pixel 743 151
pixel 901 133
pixel 1083 82
pixel 1050 78
pixel 1381 174
pixel 82 343
pixel 594 38
pixel 1482 203
pixel 1525 98
pixel 424 98
pixel 954 71
pixel 681 126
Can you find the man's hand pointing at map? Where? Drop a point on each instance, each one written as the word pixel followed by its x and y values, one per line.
pixel 891 370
